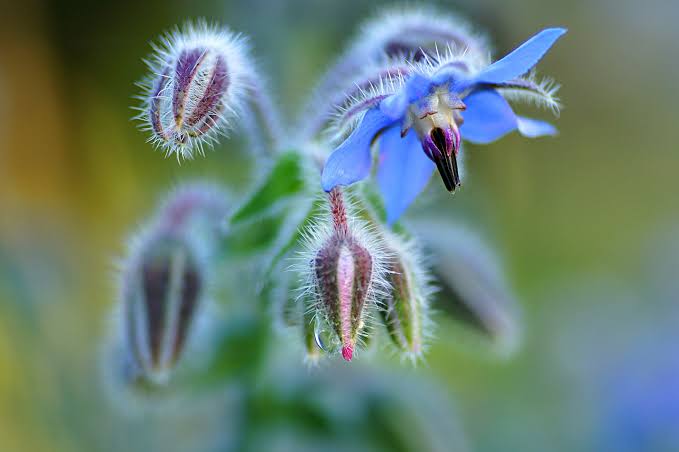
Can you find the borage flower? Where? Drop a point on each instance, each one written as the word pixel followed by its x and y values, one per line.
pixel 432 105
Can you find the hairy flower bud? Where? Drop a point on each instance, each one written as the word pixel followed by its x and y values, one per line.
pixel 162 288
pixel 387 48
pixel 405 309
pixel 199 78
pixel 417 33
pixel 344 267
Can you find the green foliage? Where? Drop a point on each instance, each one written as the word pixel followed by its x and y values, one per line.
pixel 271 219
pixel 285 180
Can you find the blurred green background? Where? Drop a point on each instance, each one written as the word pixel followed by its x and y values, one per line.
pixel 587 224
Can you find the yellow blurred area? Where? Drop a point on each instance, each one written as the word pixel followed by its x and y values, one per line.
pixel 34 120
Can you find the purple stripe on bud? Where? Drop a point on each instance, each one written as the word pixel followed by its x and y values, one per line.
pixel 426 37
pixel 161 299
pixel 209 103
pixel 398 48
pixel 345 283
pixel 208 122
pixel 186 68
pixel 343 270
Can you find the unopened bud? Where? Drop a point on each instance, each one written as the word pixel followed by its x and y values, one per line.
pixel 162 290
pixel 199 76
pixel 405 308
pixel 418 33
pixel 343 269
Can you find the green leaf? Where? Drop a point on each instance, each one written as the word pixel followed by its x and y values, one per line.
pixel 247 239
pixel 270 222
pixel 286 179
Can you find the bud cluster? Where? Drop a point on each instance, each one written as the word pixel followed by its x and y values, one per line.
pixel 357 278
pixel 397 105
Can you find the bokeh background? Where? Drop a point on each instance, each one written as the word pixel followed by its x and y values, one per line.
pixel 587 224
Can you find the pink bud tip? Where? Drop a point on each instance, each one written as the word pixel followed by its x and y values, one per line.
pixel 347 352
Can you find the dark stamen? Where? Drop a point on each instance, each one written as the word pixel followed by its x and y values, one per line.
pixel 446 159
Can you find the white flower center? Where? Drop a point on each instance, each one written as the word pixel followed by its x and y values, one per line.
pixel 439 110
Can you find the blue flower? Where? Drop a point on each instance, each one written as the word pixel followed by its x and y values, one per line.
pixel 442 101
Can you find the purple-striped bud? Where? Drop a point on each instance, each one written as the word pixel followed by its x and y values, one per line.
pixel 343 269
pixel 199 78
pixel 163 285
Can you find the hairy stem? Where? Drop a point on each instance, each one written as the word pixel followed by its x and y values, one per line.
pixel 338 211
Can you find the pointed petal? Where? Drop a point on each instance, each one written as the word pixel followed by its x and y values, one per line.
pixel 415 88
pixel 521 60
pixel 488 117
pixel 403 171
pixel 533 128
pixel 351 161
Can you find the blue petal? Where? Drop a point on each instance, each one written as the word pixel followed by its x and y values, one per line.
pixel 517 63
pixel 488 117
pixel 533 128
pixel 403 171
pixel 351 161
pixel 415 88
pixel 521 60
pixel 450 73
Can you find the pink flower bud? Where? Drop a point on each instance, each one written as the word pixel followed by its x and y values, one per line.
pixel 344 268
